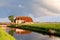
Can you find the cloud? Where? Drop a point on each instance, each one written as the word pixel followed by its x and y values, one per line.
pixel 10 3
pixel 11 7
pixel 46 7
pixel 52 5
pixel 20 5
pixel 47 19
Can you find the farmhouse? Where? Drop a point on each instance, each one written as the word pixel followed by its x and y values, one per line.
pixel 23 19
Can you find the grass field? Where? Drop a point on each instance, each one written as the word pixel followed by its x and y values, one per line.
pixel 54 26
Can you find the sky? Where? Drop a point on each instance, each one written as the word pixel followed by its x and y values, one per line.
pixel 38 10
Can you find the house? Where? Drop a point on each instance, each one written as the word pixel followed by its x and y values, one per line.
pixel 23 19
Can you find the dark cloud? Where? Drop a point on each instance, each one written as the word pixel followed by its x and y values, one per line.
pixel 14 7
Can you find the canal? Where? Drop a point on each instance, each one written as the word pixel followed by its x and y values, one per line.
pixel 33 36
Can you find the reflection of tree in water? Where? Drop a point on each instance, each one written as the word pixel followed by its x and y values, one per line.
pixel 54 37
pixel 12 32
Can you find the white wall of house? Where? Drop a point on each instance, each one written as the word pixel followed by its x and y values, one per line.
pixel 19 21
pixel 29 23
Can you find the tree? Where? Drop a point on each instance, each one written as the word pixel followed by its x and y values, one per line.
pixel 11 18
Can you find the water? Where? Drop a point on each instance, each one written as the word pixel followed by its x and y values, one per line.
pixel 33 36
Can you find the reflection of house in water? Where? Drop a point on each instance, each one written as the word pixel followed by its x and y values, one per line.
pixel 23 19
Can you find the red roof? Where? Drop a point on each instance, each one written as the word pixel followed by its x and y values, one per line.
pixel 26 18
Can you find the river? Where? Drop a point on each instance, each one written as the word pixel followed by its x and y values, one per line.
pixel 33 36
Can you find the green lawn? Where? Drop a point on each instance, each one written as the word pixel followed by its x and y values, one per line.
pixel 5 36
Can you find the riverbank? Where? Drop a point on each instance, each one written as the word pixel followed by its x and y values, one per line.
pixel 43 28
pixel 5 36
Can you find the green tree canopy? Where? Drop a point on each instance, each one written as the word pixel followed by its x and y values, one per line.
pixel 11 18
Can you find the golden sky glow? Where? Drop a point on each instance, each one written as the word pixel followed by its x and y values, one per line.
pixel 53 3
pixel 46 7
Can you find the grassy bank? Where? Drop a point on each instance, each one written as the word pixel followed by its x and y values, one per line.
pixel 41 27
pixel 5 36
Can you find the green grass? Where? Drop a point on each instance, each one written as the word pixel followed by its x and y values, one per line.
pixel 5 36
pixel 54 26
